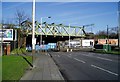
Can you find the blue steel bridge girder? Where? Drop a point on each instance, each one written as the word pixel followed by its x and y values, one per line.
pixel 58 30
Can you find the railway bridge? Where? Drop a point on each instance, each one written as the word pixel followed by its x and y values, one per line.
pixel 51 33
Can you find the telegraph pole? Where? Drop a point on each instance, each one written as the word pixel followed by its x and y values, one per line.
pixel 107 38
pixel 107 34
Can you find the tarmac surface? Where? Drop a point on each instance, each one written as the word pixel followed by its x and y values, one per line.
pixel 87 65
pixel 44 69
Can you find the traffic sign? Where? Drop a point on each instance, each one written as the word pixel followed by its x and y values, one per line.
pixel 6 34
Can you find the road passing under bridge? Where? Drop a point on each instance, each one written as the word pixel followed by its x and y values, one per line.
pixel 87 65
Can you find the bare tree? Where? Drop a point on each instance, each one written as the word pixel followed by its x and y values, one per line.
pixel 112 33
pixel 101 34
pixel 20 18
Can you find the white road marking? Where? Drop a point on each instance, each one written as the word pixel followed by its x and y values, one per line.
pixel 87 55
pixel 69 56
pixel 79 60
pixel 58 56
pixel 104 70
pixel 104 58
pixel 47 54
pixel 98 57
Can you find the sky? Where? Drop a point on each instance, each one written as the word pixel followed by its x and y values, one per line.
pixel 61 0
pixel 74 13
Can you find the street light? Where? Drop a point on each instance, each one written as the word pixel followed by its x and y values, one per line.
pixel 69 40
pixel 69 36
pixel 41 27
pixel 119 25
pixel 33 30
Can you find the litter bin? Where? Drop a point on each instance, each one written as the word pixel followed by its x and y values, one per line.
pixel 107 47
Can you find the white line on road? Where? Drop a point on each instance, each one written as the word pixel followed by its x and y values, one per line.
pixel 104 58
pixel 79 60
pixel 86 55
pixel 98 57
pixel 69 56
pixel 104 70
pixel 48 54
pixel 58 56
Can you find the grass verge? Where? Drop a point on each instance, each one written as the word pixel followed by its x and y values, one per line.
pixel 0 68
pixel 13 67
pixel 108 52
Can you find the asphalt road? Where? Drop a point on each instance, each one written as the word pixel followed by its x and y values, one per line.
pixel 87 65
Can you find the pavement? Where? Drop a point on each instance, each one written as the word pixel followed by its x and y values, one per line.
pixel 44 69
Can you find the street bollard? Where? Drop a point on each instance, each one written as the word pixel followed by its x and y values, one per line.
pixel 67 50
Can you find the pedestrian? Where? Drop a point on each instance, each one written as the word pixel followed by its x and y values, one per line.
pixel 37 47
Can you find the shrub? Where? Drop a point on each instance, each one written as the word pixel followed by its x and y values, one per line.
pixel 18 51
